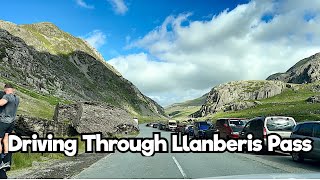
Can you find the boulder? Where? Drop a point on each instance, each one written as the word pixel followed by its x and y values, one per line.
pixel 26 125
pixel 91 117
pixel 314 99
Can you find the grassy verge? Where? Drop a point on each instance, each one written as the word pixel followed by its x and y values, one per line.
pixel 25 160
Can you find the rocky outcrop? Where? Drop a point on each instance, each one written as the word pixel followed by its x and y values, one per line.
pixel 26 125
pixel 238 95
pixel 91 117
pixel 305 71
pixel 236 106
pixel 41 57
pixel 314 99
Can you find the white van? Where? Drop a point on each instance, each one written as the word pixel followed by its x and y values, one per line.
pixel 172 125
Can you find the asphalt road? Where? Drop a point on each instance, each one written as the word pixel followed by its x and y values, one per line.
pixel 193 165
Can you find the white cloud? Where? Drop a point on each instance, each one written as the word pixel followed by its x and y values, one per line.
pixel 234 45
pixel 119 6
pixel 95 38
pixel 83 4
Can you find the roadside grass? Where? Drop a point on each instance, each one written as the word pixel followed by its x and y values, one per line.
pixel 25 160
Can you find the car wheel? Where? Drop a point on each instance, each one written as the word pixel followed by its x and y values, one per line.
pixel 297 157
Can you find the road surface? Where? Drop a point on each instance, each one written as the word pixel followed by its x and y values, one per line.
pixel 192 165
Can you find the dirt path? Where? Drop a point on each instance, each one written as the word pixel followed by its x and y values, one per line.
pixel 65 168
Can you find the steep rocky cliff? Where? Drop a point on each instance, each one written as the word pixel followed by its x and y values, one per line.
pixel 44 58
pixel 305 71
pixel 239 95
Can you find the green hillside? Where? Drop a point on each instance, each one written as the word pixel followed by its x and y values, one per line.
pixel 182 110
pixel 291 102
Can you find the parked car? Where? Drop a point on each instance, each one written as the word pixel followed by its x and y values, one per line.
pixel 188 129
pixel 209 133
pixel 162 126
pixel 245 121
pixel 230 127
pixel 309 130
pixel 180 127
pixel 200 128
pixel 148 124
pixel 260 127
pixel 155 125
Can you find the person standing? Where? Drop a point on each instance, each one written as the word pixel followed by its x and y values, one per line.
pixel 9 104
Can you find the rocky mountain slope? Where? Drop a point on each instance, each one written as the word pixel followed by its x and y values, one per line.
pixel 41 57
pixel 305 71
pixel 238 95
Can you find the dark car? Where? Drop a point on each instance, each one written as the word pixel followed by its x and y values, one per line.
pixel 188 129
pixel 229 127
pixel 212 130
pixel 161 126
pixel 200 128
pixel 155 125
pixel 309 130
pixel 180 127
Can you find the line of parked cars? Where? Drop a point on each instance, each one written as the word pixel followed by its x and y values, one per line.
pixel 260 127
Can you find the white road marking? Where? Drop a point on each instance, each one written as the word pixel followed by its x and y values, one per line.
pixel 179 167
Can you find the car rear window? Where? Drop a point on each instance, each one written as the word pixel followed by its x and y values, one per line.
pixel 203 125
pixel 237 122
pixel 280 124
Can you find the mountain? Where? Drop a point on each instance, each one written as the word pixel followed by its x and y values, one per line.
pixel 43 58
pixel 305 71
pixel 238 95
pixel 185 108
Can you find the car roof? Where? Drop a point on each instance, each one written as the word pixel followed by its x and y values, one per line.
pixel 231 119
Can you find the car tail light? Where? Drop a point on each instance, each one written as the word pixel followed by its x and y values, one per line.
pixel 264 133
pixel 235 134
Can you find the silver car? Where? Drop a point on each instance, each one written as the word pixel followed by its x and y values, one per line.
pixel 260 127
pixel 309 130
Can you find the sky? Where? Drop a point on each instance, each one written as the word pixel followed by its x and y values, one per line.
pixel 175 50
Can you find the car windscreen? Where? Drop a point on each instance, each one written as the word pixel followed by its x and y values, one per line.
pixel 172 123
pixel 280 124
pixel 236 128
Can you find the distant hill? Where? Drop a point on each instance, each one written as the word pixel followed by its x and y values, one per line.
pixel 43 58
pixel 305 71
pixel 185 108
